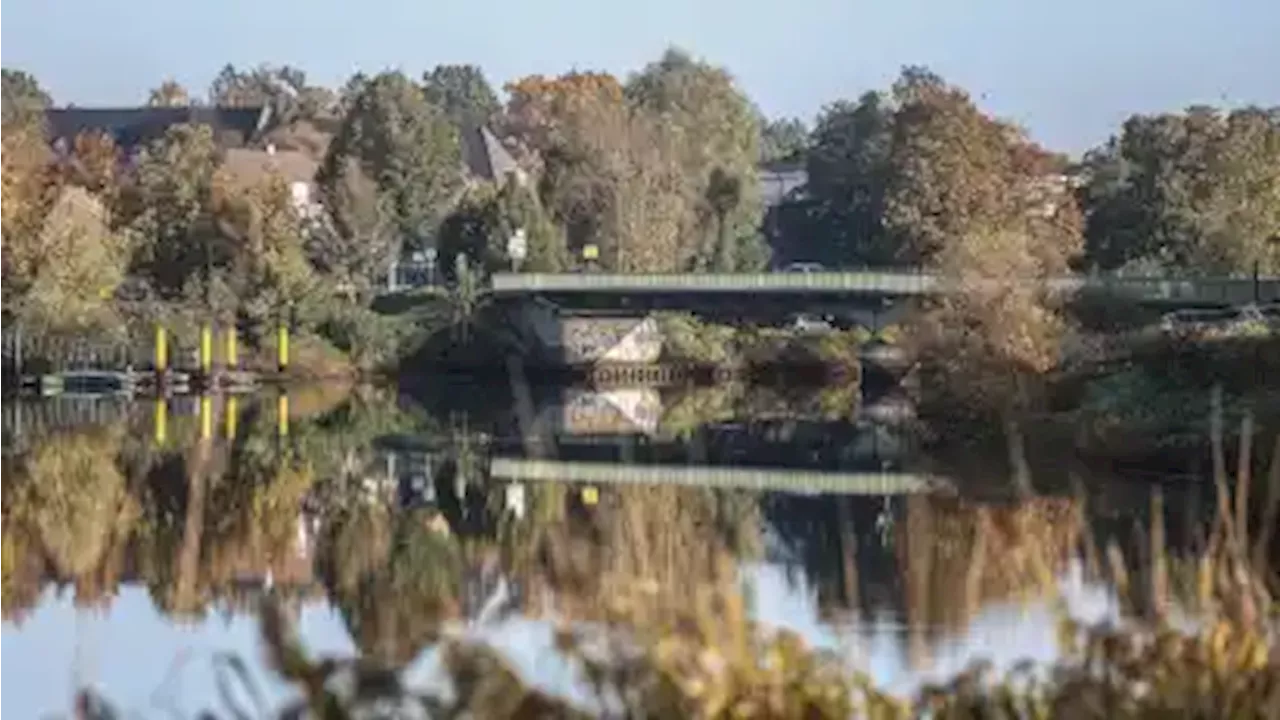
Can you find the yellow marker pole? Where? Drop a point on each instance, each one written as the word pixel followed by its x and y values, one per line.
pixel 282 414
pixel 282 347
pixel 206 417
pixel 162 349
pixel 233 412
pixel 161 421
pixel 206 349
pixel 233 352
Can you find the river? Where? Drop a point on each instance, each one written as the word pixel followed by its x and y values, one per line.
pixel 139 536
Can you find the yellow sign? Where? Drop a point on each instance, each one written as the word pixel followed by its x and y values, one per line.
pixel 591 252
pixel 590 495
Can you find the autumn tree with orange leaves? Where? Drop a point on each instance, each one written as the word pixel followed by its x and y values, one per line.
pixel 986 209
pixel 610 173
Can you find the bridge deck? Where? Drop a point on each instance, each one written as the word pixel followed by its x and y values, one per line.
pixel 1225 290
pixel 784 480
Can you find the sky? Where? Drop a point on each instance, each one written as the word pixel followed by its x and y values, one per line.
pixel 1070 72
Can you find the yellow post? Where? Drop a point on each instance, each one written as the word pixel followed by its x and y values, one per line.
pixel 206 349
pixel 162 421
pixel 233 352
pixel 282 347
pixel 206 417
pixel 162 349
pixel 233 412
pixel 282 414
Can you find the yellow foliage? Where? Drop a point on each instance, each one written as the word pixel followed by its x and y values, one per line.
pixel 76 499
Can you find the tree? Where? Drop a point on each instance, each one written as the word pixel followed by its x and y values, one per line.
pixel 1194 191
pixel 263 85
pixel 716 130
pixel 848 170
pixel 783 140
pixel 166 207
pixel 991 213
pixel 28 191
pixel 264 259
pixel 24 99
pixel 357 247
pixel 611 173
pixel 407 146
pixel 93 164
pixel 169 94
pixel 486 219
pixel 283 88
pixel 77 266
pixel 462 93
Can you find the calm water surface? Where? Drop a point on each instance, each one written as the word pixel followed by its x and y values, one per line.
pixel 138 538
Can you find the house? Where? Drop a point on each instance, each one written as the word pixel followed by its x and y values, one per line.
pixel 485 158
pixel 298 168
pixel 780 181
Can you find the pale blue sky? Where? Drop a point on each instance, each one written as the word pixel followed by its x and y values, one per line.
pixel 1070 71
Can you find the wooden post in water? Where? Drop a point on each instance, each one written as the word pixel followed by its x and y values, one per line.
pixel 282 415
pixel 232 411
pixel 161 431
pixel 162 349
pixel 206 417
pixel 233 352
pixel 282 346
pixel 206 350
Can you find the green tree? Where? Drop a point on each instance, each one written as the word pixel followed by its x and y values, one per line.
pixel 1194 192
pixel 358 246
pixel 263 249
pixel 24 99
pixel 407 146
pixel 714 128
pixel 783 140
pixel 166 208
pixel 848 169
pixel 283 88
pixel 486 219
pixel 79 265
pixel 462 93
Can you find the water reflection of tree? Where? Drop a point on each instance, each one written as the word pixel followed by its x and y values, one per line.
pixel 395 577
pixel 70 506
pixel 957 556
pixel 668 540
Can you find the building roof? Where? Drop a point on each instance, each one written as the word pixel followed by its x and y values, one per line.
pixel 483 155
pixel 250 165
pixel 779 180
pixel 131 127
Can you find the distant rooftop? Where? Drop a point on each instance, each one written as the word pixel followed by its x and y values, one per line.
pixel 483 154
pixel 132 127
pixel 778 180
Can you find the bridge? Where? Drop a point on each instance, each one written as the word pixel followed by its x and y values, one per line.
pixel 1205 291
pixel 721 477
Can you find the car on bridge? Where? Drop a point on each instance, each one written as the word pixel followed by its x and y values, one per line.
pixel 804 267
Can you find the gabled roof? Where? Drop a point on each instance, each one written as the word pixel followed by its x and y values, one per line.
pixel 483 155
pixel 250 166
pixel 131 127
